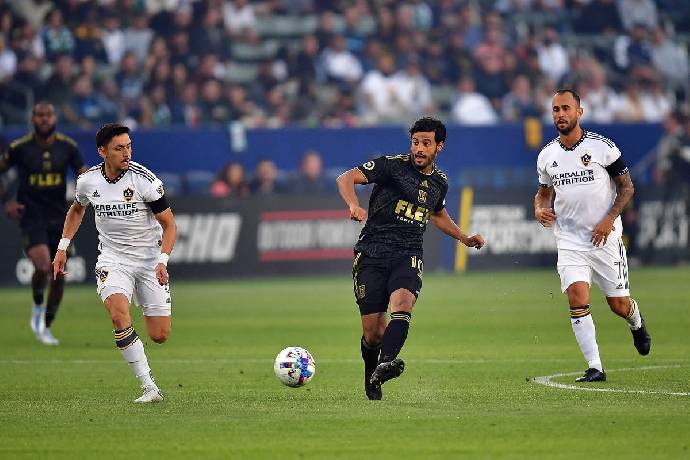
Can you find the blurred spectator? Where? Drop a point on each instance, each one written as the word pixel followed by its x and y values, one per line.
pixel 8 61
pixel 378 96
pixel 669 58
pixel 113 39
pixel 599 17
pixel 633 53
pixel 305 64
pixel 186 109
pixel 638 12
pixel 519 103
pixel 137 38
pixel 27 73
pixel 130 79
pixel 208 35
pixel 230 182
pixel 491 57
pixel 630 104
pixel 667 147
pixel 83 109
pixel 156 111
pixel 340 65
pixel 460 60
pixel 599 100
pixel 88 39
pixel 553 59
pixel 57 88
pixel 656 104
pixel 213 108
pixel 34 11
pixel 57 38
pixel 239 17
pixel 471 107
pixel 412 90
pixel 310 179
pixel 265 179
pixel 26 39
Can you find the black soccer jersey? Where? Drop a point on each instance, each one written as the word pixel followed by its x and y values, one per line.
pixel 400 206
pixel 42 171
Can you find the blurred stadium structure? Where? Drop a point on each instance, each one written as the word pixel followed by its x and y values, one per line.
pixel 259 84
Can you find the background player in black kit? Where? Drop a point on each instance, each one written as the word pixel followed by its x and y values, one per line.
pixel 42 159
pixel 409 190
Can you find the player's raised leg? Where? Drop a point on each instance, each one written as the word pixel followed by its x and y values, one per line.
pixel 130 346
pixel 40 258
pixel 373 328
pixel 584 330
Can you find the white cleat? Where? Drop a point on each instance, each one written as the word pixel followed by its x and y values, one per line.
pixel 47 338
pixel 151 394
pixel 38 319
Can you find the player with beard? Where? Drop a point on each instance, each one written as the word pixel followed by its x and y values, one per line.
pixel 42 159
pixel 592 185
pixel 409 190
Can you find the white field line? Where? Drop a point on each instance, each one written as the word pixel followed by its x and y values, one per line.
pixel 546 380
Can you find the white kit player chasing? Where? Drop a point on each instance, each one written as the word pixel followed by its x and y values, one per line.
pixel 592 186
pixel 136 232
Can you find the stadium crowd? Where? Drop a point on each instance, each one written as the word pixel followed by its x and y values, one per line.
pixel 274 63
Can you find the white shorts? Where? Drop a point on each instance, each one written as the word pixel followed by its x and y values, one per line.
pixel 608 266
pixel 137 281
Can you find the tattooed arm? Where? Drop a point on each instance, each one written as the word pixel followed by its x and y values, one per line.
pixel 624 192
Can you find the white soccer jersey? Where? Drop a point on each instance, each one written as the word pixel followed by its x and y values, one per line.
pixel 584 189
pixel 126 226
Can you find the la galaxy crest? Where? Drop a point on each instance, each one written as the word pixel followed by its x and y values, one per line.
pixel 128 194
pixel 585 159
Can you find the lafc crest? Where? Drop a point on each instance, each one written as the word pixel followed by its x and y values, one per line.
pixel 422 196
pixel 128 194
pixel 586 158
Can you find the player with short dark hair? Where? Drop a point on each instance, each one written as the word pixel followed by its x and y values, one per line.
pixel 42 159
pixel 409 191
pixel 136 234
pixel 592 185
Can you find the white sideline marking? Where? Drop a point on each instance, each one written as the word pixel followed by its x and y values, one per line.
pixel 546 380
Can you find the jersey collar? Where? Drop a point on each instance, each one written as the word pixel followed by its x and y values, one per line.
pixel 111 181
pixel 570 149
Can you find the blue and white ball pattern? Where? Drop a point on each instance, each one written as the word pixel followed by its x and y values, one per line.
pixel 294 366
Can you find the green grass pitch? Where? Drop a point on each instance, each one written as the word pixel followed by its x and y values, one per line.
pixel 476 341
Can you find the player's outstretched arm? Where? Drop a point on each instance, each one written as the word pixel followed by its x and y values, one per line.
pixel 543 211
pixel 72 222
pixel 346 187
pixel 444 222
pixel 167 221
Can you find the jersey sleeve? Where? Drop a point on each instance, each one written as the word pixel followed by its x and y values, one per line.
pixel 610 155
pixel 442 201
pixel 376 170
pixel 81 195
pixel 7 159
pixel 154 190
pixel 76 160
pixel 544 177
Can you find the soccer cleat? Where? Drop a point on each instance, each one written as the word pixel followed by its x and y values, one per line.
pixel 47 338
pixel 642 339
pixel 592 375
pixel 38 319
pixel 151 394
pixel 387 370
pixel 373 392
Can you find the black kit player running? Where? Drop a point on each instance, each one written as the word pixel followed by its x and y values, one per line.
pixel 42 159
pixel 409 191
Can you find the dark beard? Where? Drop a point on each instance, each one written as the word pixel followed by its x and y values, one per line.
pixel 567 130
pixel 45 134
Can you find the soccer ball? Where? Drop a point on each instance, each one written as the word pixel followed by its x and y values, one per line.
pixel 294 366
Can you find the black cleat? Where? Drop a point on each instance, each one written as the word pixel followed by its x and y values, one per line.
pixel 373 392
pixel 642 339
pixel 387 370
pixel 592 375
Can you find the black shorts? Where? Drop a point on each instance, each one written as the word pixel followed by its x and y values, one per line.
pixel 374 280
pixel 41 232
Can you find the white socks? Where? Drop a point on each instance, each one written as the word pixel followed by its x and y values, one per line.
pixel 585 334
pixel 634 319
pixel 132 351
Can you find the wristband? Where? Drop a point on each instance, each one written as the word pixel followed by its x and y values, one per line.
pixel 163 258
pixel 63 244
